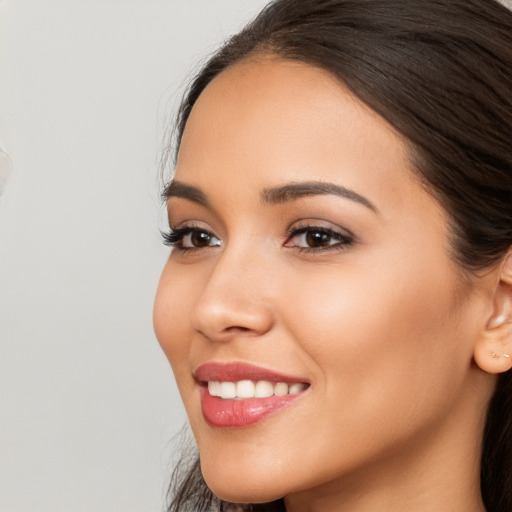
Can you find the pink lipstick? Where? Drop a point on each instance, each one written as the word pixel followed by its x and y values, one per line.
pixel 239 394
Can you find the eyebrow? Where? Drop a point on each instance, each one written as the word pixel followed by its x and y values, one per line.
pixel 179 189
pixel 294 191
pixel 274 195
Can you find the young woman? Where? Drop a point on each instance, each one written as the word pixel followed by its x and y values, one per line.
pixel 337 304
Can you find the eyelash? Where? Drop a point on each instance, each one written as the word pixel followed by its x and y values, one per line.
pixel 174 238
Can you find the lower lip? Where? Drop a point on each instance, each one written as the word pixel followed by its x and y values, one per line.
pixel 219 412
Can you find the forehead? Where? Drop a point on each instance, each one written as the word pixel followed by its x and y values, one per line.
pixel 264 122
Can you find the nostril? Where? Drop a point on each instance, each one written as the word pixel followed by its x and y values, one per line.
pixel 236 328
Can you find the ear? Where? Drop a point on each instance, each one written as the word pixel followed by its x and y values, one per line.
pixel 493 350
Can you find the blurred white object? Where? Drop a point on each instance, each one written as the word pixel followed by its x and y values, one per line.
pixel 5 169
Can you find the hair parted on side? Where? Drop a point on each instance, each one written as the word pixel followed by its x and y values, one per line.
pixel 440 72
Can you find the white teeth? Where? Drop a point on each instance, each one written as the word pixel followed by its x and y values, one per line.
pixel 245 389
pixel 263 389
pixel 281 389
pixel 213 388
pixel 249 389
pixel 227 390
pixel 296 388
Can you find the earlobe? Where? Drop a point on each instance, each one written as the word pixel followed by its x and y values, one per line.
pixel 493 349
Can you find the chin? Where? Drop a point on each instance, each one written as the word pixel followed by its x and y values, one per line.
pixel 243 486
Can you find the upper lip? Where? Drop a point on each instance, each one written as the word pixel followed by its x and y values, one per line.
pixel 236 371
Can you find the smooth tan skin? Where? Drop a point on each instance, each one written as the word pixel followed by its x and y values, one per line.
pixel 385 329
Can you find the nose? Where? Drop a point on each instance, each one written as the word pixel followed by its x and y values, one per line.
pixel 236 299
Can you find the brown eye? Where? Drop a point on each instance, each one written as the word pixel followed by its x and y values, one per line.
pixel 311 238
pixel 190 238
pixel 196 238
pixel 200 239
pixel 317 238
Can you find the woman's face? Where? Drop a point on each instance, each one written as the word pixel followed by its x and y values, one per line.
pixel 308 258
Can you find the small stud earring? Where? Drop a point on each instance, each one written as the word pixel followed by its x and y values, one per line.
pixel 494 355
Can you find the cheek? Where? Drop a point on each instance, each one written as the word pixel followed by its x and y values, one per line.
pixel 171 318
pixel 171 315
pixel 374 341
pixel 378 335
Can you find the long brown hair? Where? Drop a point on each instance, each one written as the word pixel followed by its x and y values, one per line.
pixel 440 72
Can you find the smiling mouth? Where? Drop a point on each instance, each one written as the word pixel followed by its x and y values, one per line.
pixel 240 394
pixel 246 389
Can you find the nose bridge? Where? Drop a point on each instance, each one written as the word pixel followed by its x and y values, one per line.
pixel 236 298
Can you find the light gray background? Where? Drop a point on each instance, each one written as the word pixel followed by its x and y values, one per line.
pixel 88 404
